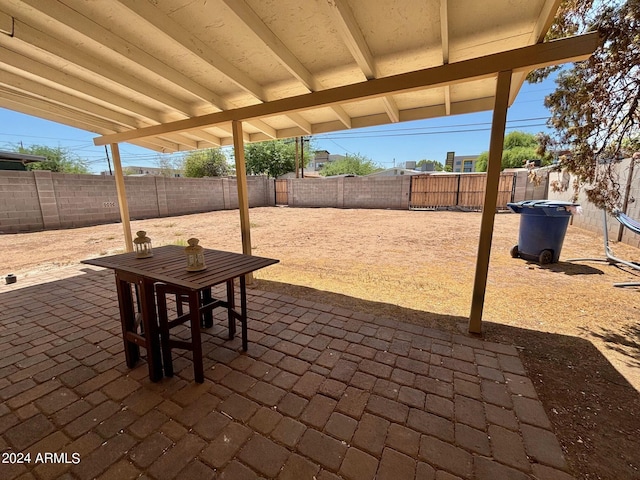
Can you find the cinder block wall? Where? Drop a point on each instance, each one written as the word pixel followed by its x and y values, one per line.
pixel 42 200
pixel 377 192
pixel 82 200
pixel 315 192
pixel 350 192
pixel 591 218
pixel 19 204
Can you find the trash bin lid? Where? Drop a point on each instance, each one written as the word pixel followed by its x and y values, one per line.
pixel 543 204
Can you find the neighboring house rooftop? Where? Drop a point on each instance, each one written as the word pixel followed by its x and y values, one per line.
pixel 17 161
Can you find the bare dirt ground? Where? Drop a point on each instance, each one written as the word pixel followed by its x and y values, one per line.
pixel 579 336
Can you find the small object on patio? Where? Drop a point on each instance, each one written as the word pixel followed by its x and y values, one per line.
pixel 195 256
pixel 143 245
pixel 11 278
pixel 543 224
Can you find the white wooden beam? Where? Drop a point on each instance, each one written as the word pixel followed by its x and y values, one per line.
pixel 444 30
pixel 6 24
pixel 152 15
pixel 98 33
pixel 301 122
pixel 490 199
pixel 123 204
pixel 32 36
pixel 342 115
pixel 447 100
pixel 444 38
pixel 352 36
pixel 284 56
pixel 22 62
pixel 264 128
pixel 243 194
pixel 287 59
pixel 551 53
pixel 391 108
pixel 27 86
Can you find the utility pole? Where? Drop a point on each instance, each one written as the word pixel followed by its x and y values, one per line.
pixel 108 160
pixel 297 160
pixel 302 155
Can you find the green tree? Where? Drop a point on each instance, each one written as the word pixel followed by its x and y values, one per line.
pixel 350 165
pixel 437 166
pixel 58 159
pixel 169 166
pixel 211 162
pixel 518 148
pixel 273 158
pixel 595 109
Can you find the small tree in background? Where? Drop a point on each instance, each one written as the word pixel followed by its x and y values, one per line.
pixel 437 166
pixel 169 166
pixel 274 158
pixel 519 147
pixel 350 165
pixel 58 159
pixel 211 162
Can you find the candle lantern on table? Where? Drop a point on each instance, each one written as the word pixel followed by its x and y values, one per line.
pixel 143 245
pixel 195 256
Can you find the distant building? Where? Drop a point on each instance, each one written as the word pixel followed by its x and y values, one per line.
pixel 465 163
pixel 321 158
pixel 396 171
pixel 140 171
pixel 17 161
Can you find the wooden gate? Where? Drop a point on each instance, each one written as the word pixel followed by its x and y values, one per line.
pixel 282 192
pixel 466 191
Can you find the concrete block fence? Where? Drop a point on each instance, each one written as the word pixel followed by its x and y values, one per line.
pixel 350 192
pixel 42 200
pixel 591 218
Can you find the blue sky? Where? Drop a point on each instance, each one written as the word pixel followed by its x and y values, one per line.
pixel 387 145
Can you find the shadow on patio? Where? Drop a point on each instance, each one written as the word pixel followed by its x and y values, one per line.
pixel 331 387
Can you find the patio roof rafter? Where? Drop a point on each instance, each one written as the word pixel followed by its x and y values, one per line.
pixel 444 38
pixel 522 59
pixel 357 45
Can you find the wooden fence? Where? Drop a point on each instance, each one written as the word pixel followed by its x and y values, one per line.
pixel 464 191
pixel 282 192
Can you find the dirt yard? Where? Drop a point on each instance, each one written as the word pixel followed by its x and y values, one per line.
pixel 579 336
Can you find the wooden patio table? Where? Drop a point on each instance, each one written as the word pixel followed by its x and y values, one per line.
pixel 168 266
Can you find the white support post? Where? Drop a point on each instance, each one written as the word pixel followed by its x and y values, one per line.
pixel 122 198
pixel 496 146
pixel 243 196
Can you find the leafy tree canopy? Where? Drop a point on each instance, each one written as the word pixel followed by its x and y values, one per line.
pixel 211 162
pixel 58 159
pixel 169 166
pixel 350 165
pixel 273 158
pixel 518 148
pixel 437 166
pixel 595 109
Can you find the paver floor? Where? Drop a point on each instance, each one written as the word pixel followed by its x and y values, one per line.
pixel 323 393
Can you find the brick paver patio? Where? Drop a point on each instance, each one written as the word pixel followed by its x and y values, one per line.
pixel 323 393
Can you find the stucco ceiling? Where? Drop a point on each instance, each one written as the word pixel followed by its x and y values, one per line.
pixel 113 67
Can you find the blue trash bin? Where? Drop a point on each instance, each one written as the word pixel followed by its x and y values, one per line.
pixel 543 224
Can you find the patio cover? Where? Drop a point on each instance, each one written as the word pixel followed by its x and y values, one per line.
pixel 175 75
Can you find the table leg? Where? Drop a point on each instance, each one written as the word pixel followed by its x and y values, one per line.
pixel 243 312
pixel 151 333
pixel 208 315
pixel 231 305
pixel 196 341
pixel 128 321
